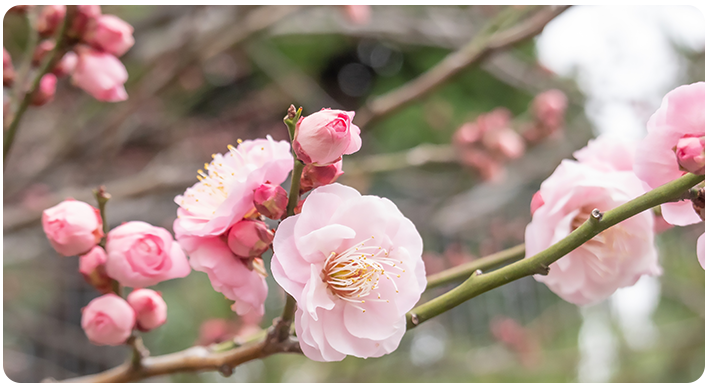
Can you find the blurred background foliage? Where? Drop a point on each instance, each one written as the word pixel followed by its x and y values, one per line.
pixel 188 100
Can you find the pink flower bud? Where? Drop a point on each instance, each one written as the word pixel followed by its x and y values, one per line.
pixel 72 227
pixel 50 19
pixel 151 310
pixel 504 141
pixel 536 202
pixel 270 200
pixel 91 266
pixel 141 255
pixel 690 153
pixel 66 65
pixel 108 320
pixel 8 71
pixel 46 90
pixel 314 176
pixel 102 75
pixel 84 15
pixel 41 51
pixel 323 137
pixel 358 14
pixel 249 238
pixel 110 34
pixel 549 108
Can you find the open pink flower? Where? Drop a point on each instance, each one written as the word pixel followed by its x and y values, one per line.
pixel 110 34
pixel 101 75
pixel 323 137
pixel 675 142
pixel 151 310
pixel 354 265
pixel 108 320
pixel 142 255
pixel 72 227
pixel 608 153
pixel 615 258
pixel 225 193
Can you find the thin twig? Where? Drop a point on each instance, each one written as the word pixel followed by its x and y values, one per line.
pixel 478 49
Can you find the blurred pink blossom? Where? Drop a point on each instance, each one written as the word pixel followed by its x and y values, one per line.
pixel 8 71
pixel 50 18
pixel 151 310
pixel 66 65
pixel 108 320
pixel 701 250
pixel 324 136
pixel 72 227
pixel 100 74
pixel 358 14
pixel 142 255
pixel 84 15
pixel 110 34
pixel 41 51
pixel 45 93
pixel 354 265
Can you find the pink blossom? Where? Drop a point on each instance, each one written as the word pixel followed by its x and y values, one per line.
pixel 142 255
pixel 270 200
pixel 615 258
pixel 110 34
pixel 84 15
pixel 41 51
pixel 314 176
pixel 101 75
pixel 354 265
pixel 225 193
pixel 151 310
pixel 228 273
pixel 72 227
pixel 323 137
pixel 92 268
pixel 108 320
pixel 66 65
pixel 358 14
pixel 701 250
pixel 536 202
pixel 8 71
pixel 249 238
pixel 608 153
pixel 549 108
pixel 50 18
pixel 681 115
pixel 45 92
pixel 690 154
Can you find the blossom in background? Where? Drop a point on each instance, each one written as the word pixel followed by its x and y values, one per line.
pixel 358 14
pixel 110 34
pixel 354 265
pixel 616 257
pixel 142 255
pixel 100 74
pixel 108 320
pixel 72 227
pixel 45 93
pixel 675 144
pixel 8 71
pixel 66 65
pixel 548 110
pixel 324 136
pixel 50 18
pixel 223 197
pixel 150 308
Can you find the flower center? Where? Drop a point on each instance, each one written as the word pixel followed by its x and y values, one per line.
pixel 355 273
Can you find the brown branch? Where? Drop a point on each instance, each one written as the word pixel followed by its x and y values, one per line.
pixel 477 50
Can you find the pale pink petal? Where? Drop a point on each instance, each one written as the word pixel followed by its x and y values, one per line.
pixel 701 250
pixel 680 213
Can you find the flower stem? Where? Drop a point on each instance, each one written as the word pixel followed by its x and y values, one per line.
pixel 49 61
pixel 486 263
pixel 539 263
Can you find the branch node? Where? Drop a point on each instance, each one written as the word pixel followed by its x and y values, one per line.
pixel 543 269
pixel 226 370
pixel 478 272
pixel 415 320
pixel 597 215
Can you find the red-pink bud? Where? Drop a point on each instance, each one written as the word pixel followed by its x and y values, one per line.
pixel 314 176
pixel 45 93
pixel 690 153
pixel 66 65
pixel 100 74
pixel 41 51
pixel 84 15
pixel 50 18
pixel 110 34
pixel 536 202
pixel 151 310
pixel 91 266
pixel 249 238
pixel 271 200
pixel 8 71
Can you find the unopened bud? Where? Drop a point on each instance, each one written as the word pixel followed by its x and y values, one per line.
pixel 8 71
pixel 249 238
pixel 690 153
pixel 45 93
pixel 50 19
pixel 66 65
pixel 314 176
pixel 91 266
pixel 270 200
pixel 41 51
pixel 84 15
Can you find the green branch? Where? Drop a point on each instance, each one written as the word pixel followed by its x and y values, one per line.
pixel 539 263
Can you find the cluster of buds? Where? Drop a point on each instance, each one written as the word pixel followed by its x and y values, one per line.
pixel 95 42
pixel 109 319
pixel 488 142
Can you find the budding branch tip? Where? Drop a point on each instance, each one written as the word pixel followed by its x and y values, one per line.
pixel 597 215
pixel 415 320
pixel 291 113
